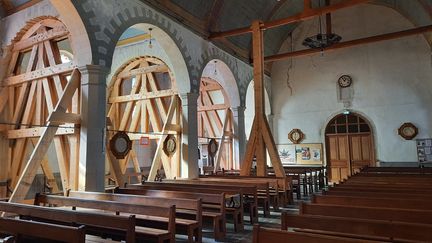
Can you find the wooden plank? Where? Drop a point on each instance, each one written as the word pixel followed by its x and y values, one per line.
pixel 42 146
pixel 142 96
pixel 4 97
pixel 212 107
pixel 41 37
pixel 61 118
pixel 160 104
pixel 130 105
pixel 40 73
pixel 46 168
pixel 292 19
pixel 159 150
pixel 221 142
pixel 143 70
pixel 37 132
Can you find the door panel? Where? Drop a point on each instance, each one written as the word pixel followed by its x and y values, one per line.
pixel 338 148
pixel 360 151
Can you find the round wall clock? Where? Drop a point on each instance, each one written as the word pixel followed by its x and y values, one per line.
pixel 120 145
pixel 296 136
pixel 408 131
pixel 170 145
pixel 345 81
pixel 212 147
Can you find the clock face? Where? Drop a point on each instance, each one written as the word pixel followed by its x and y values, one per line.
pixel 345 81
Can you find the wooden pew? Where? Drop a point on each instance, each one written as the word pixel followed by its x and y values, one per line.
pixel 280 189
pixel 380 189
pixel 379 213
pixel 371 202
pixel 258 189
pixel 22 229
pixel 399 170
pixel 193 228
pixel 217 217
pixel 364 229
pixel 94 222
pixel 384 194
pixel 265 235
pixel 229 191
pixel 161 235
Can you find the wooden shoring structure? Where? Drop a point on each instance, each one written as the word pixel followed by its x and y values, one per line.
pixel 211 124
pixel 260 137
pixel 143 101
pixel 40 103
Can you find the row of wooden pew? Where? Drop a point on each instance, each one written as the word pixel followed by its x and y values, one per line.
pixel 375 205
pixel 305 179
pixel 183 206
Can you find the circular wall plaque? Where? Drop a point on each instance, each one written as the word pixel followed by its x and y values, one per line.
pixel 120 145
pixel 170 145
pixel 345 81
pixel 408 131
pixel 212 147
pixel 296 136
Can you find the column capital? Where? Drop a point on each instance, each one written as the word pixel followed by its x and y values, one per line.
pixel 92 70
pixel 189 98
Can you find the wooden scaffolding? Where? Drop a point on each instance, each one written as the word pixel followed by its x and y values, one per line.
pixel 143 101
pixel 39 106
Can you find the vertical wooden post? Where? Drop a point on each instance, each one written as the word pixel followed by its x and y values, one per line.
pixel 260 137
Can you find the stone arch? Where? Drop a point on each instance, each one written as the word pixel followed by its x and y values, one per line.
pixel 80 41
pixel 105 31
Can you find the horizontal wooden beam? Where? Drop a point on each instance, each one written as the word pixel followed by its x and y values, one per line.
pixel 309 13
pixel 39 74
pixel 50 34
pixel 37 132
pixel 143 70
pixel 362 41
pixel 144 96
pixel 60 118
pixel 22 7
pixel 133 39
pixel 153 136
pixel 213 107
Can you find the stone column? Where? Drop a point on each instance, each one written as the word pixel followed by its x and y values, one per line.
pixel 189 160
pixel 92 133
pixel 239 131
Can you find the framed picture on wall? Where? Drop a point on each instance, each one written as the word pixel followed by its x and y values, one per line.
pixel 287 153
pixel 309 154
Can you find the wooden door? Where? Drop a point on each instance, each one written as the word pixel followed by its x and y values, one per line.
pixel 349 144
pixel 360 151
pixel 338 157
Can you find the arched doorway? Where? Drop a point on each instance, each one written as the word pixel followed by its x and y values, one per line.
pixel 349 145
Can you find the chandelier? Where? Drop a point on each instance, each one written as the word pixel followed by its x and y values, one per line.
pixel 320 40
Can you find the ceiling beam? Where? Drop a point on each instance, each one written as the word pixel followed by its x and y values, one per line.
pixel 16 9
pixel 215 12
pixel 362 41
pixel 308 14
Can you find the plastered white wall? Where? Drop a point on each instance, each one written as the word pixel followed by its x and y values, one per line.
pixel 391 81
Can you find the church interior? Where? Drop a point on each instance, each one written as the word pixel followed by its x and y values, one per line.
pixel 215 121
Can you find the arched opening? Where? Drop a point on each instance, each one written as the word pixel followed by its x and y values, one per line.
pixel 250 108
pixel 40 102
pixel 143 102
pixel 215 117
pixel 349 145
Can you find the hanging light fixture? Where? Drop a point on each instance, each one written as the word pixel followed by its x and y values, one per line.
pixel 320 40
pixel 150 42
pixel 215 68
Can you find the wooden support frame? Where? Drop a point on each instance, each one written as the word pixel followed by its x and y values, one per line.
pixel 260 137
pixel 44 106
pixel 137 104
pixel 210 122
